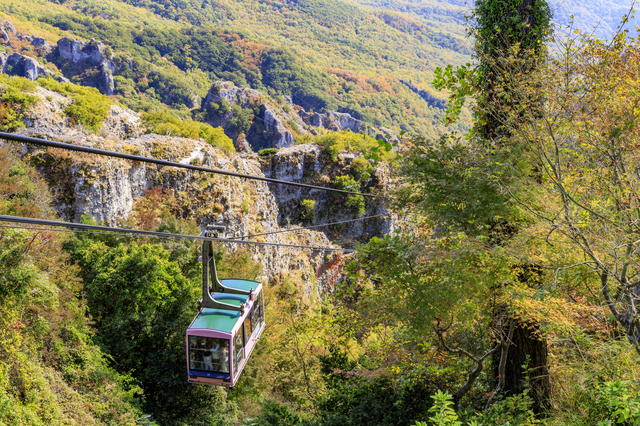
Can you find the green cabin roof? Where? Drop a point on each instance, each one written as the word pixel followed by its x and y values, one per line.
pixel 240 284
pixel 221 319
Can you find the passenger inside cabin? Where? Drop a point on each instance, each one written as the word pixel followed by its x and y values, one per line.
pixel 209 354
pixel 208 361
pixel 225 360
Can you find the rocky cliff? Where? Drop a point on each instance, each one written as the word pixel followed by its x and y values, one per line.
pixel 107 188
pixel 274 124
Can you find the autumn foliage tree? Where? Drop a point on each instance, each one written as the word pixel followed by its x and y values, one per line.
pixel 584 142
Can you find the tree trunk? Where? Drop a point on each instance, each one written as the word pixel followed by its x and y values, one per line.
pixel 527 356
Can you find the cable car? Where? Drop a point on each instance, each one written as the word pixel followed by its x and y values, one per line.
pixel 229 322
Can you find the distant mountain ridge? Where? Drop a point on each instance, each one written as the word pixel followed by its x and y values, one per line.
pixel 600 17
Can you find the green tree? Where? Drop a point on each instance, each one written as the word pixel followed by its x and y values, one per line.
pixel 511 41
pixel 142 304
pixel 583 142
pixel 241 121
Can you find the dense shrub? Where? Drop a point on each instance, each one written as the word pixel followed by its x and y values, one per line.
pixel 241 121
pixel 353 202
pixel 335 143
pixel 13 101
pixel 307 209
pixel 51 371
pixel 142 301
pixel 89 106
pixel 267 151
pixel 163 122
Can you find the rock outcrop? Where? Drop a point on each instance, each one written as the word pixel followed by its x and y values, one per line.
pixel 77 51
pixel 47 117
pixel 274 124
pixel 23 66
pixel 37 42
pixel 8 26
pixel 271 133
pixel 335 121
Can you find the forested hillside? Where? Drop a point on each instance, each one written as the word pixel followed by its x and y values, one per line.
pixel 326 55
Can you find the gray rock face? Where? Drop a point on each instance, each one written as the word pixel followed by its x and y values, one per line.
pixel 75 51
pixel 343 121
pixel 8 26
pixel 234 95
pixel 274 119
pixel 24 66
pixel 107 188
pixel 278 136
pixel 4 37
pixel 40 42
pixel 37 42
pixel 335 121
pixel 47 117
pixel 300 163
pixel 282 137
pixel 107 75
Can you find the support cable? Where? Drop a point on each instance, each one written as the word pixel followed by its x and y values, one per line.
pixel 42 222
pixel 313 226
pixel 79 148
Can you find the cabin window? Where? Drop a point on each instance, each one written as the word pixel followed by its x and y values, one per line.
pixel 257 313
pixel 238 353
pixel 208 354
pixel 247 329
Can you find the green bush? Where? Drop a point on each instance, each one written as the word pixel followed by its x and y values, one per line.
pixel 141 297
pixel 614 403
pixel 241 121
pixel 13 102
pixel 335 143
pixel 358 167
pixel 267 151
pixel 89 107
pixel 307 209
pixel 163 122
pixel 353 202
pixel 276 414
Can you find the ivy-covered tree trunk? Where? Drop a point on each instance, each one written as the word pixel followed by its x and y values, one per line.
pixel 510 36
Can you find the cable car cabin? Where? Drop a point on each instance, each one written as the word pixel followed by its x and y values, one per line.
pixel 223 334
pixel 220 341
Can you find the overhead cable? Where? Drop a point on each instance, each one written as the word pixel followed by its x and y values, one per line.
pixel 313 226
pixel 79 148
pixel 42 222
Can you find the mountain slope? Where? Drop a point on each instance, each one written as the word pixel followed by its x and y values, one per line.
pixel 326 55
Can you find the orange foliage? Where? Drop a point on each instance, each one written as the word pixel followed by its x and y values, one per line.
pixel 353 77
pixel 251 50
pixel 149 210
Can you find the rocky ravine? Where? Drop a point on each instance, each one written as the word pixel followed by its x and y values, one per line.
pixel 106 188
